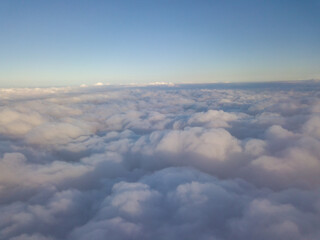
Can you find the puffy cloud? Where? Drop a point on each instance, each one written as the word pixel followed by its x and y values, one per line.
pixel 57 133
pixel 213 143
pixel 31 237
pixel 213 118
pixel 255 147
pixel 312 126
pixel 16 123
pixel 204 162
pixel 267 220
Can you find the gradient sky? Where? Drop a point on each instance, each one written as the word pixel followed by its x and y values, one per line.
pixel 56 43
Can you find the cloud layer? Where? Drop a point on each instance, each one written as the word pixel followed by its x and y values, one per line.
pixel 216 162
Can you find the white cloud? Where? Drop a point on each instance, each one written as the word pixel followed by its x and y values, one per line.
pixel 215 144
pixel 312 127
pixel 16 123
pixel 141 162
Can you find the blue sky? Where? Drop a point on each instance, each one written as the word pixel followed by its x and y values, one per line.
pixel 56 43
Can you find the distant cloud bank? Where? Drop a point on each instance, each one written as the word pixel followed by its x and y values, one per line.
pixel 218 162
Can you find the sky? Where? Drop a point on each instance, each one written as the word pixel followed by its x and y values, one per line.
pixel 59 43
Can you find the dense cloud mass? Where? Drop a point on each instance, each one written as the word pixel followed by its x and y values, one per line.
pixel 218 162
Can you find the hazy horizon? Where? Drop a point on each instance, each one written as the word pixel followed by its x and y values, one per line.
pixel 161 83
